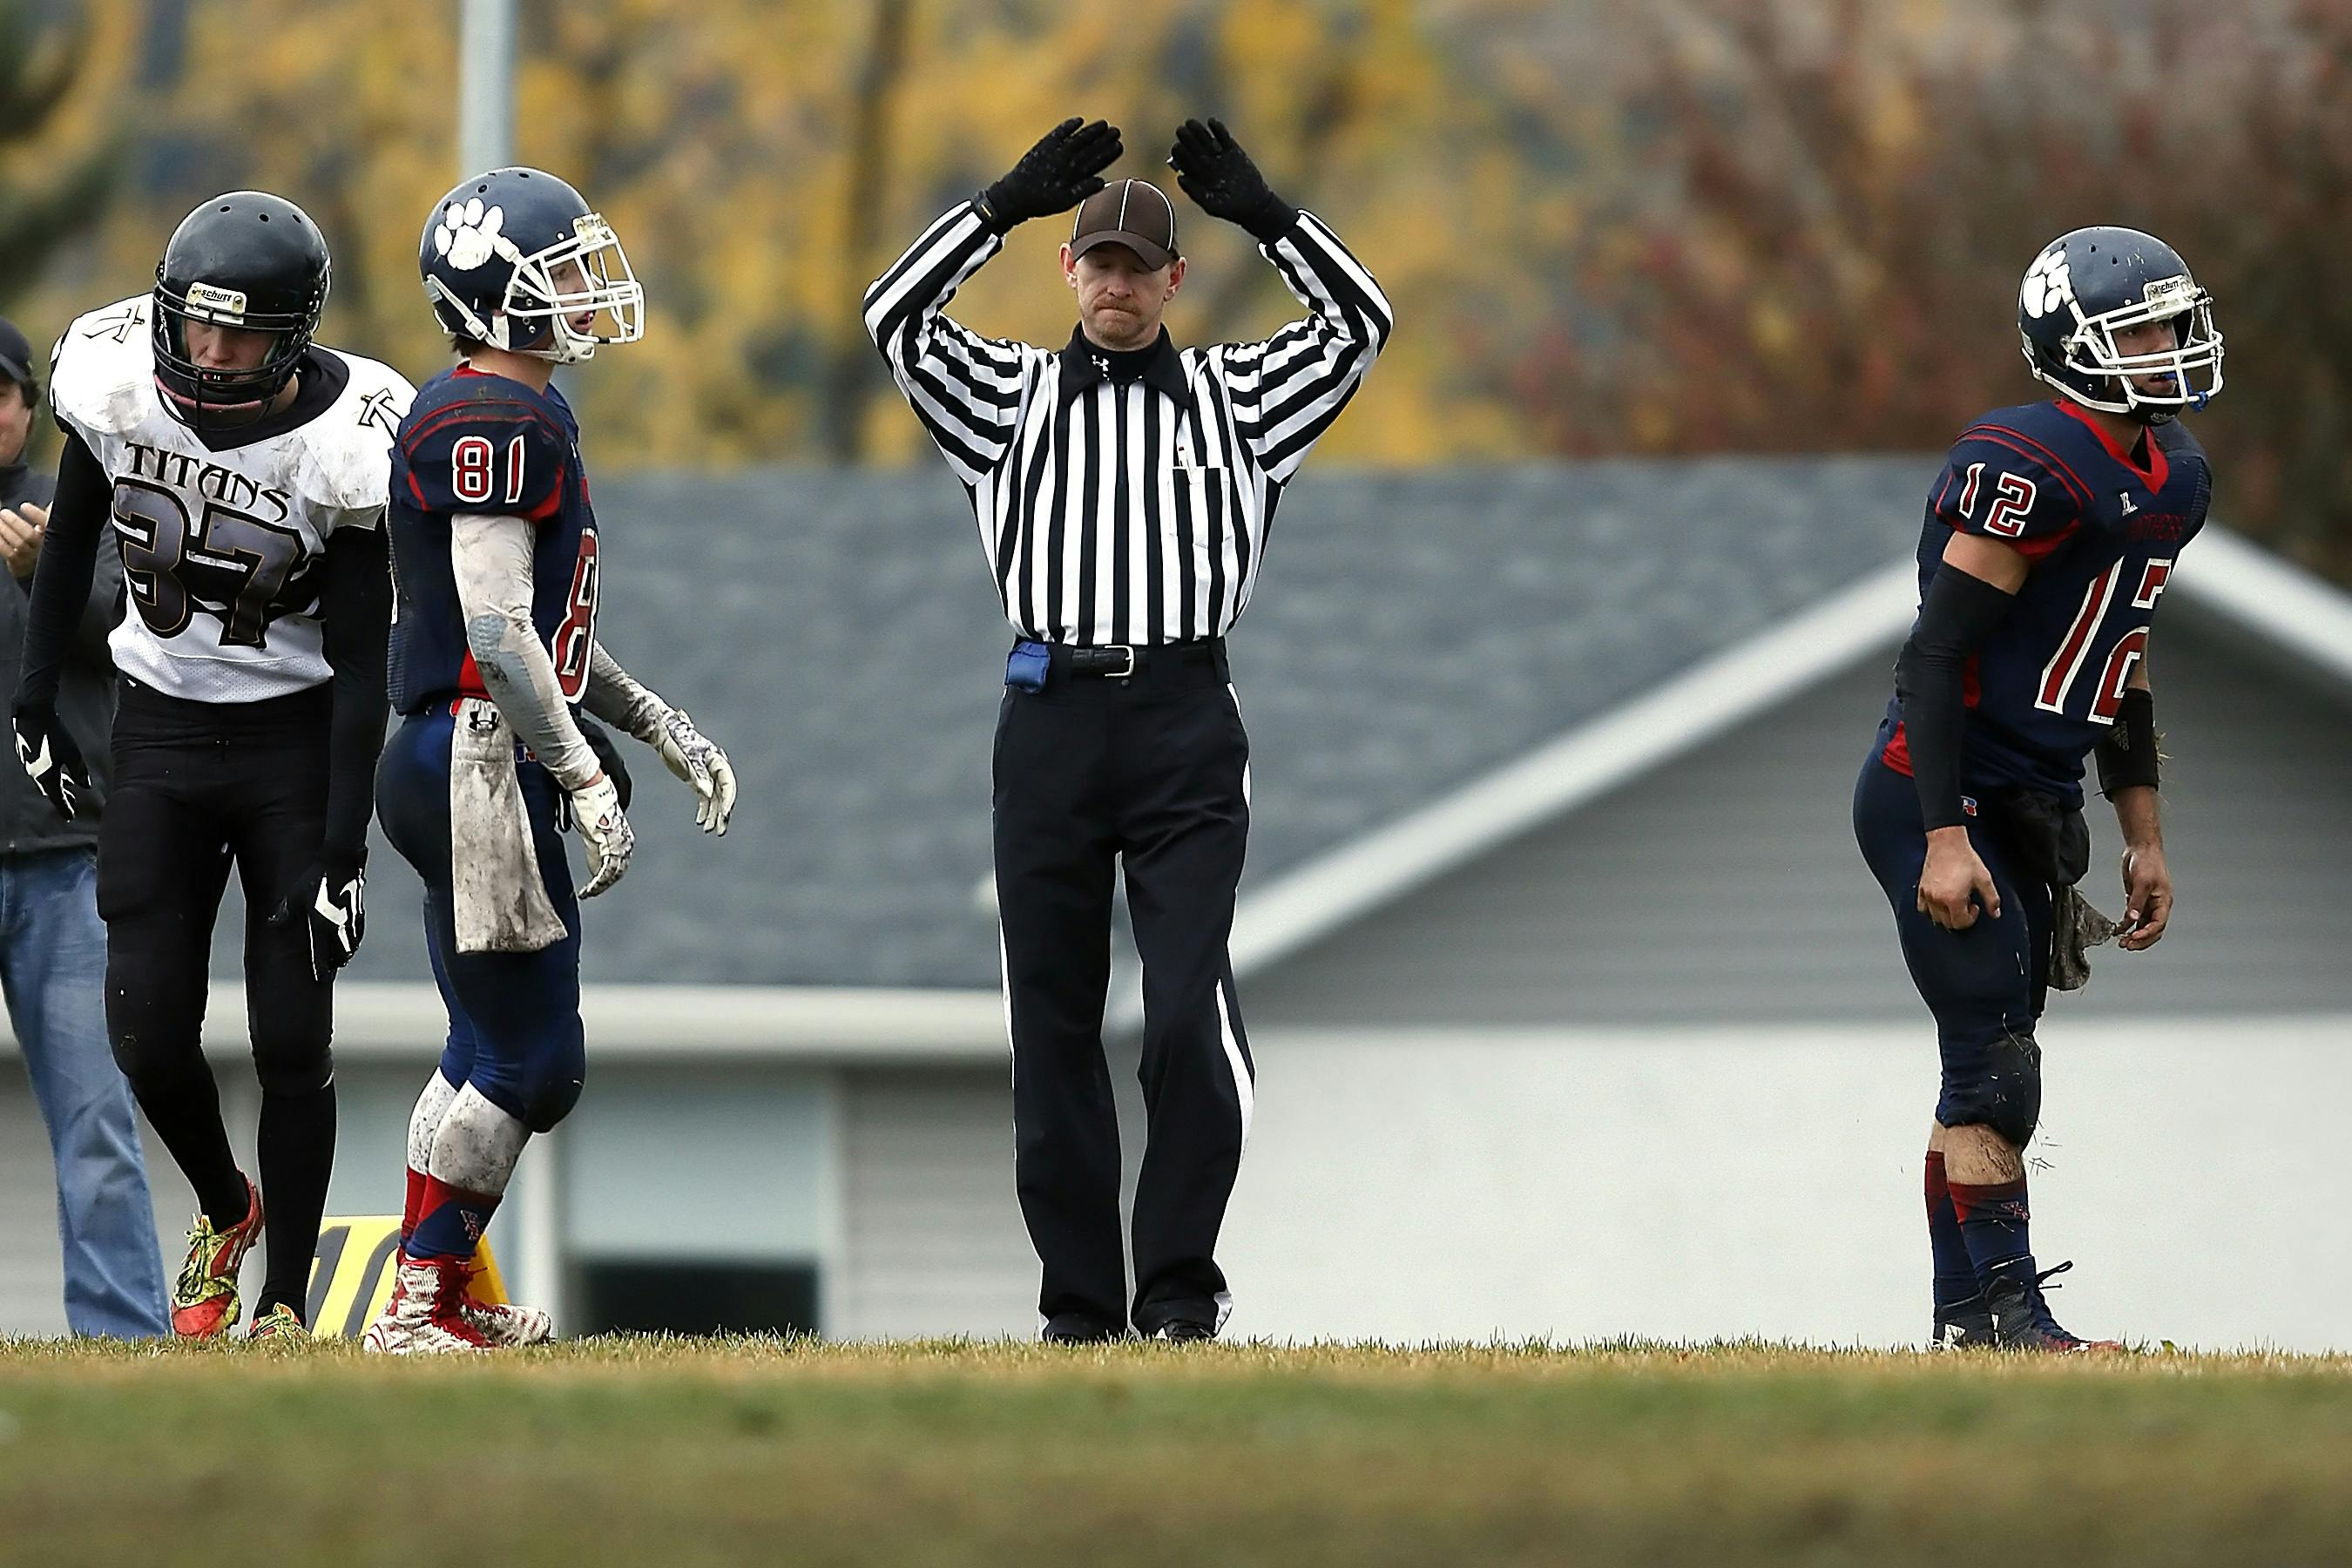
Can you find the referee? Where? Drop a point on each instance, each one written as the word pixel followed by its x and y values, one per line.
pixel 1124 491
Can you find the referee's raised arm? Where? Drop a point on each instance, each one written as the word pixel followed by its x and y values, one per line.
pixel 1285 390
pixel 966 389
pixel 1123 487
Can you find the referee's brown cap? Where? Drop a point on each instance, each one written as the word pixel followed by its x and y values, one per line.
pixel 1136 214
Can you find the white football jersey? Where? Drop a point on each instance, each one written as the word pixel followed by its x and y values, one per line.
pixel 221 547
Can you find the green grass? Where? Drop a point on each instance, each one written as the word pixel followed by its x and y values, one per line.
pixel 676 1453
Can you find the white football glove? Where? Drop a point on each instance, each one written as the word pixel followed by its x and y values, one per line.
pixel 698 761
pixel 596 813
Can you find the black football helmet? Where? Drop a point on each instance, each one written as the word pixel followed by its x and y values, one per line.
pixel 2087 285
pixel 511 256
pixel 246 260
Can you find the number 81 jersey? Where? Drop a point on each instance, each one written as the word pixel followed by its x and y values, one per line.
pixel 475 443
pixel 221 544
pixel 2103 532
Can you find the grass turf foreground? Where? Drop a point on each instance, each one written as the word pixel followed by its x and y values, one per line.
pixel 683 1452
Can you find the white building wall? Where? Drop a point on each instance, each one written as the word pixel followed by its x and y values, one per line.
pixel 1410 1184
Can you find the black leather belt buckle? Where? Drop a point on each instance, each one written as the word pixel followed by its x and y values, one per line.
pixel 1114 663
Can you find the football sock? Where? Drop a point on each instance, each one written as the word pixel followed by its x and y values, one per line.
pixel 472 1156
pixel 297 1144
pixel 1993 1225
pixel 184 1106
pixel 1956 1273
pixel 423 1124
pixel 450 1220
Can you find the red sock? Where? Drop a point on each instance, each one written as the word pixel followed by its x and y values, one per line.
pixel 413 1209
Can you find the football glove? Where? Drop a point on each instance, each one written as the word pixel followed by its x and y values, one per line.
pixel 331 902
pixel 1061 171
pixel 596 813
pixel 697 762
pixel 608 755
pixel 1212 169
pixel 50 756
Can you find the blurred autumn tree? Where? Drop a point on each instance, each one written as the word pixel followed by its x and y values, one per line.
pixel 1609 226
pixel 55 159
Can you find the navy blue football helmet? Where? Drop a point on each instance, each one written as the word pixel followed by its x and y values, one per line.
pixel 2087 285
pixel 249 260
pixel 515 259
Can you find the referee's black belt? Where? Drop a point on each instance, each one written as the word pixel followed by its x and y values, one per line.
pixel 1035 666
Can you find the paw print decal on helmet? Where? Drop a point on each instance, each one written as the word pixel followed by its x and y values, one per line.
pixel 2047 284
pixel 468 235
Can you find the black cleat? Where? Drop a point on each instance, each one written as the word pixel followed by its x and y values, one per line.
pixel 1080 1331
pixel 1182 1330
pixel 2021 1320
pixel 1963 1326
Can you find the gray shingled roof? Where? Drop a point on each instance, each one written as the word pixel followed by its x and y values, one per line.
pixel 836 631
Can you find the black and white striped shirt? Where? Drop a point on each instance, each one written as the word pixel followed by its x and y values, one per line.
pixel 1129 508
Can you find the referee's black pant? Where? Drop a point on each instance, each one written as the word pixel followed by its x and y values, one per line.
pixel 1153 770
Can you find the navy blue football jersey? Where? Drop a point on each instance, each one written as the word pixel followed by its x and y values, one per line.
pixel 2103 533
pixel 478 443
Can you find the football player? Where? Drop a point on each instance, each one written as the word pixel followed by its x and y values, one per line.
pixel 2051 534
pixel 500 569
pixel 243 468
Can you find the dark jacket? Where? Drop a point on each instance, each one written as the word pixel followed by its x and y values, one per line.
pixel 85 697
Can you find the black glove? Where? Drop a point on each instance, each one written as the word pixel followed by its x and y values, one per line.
pixel 607 753
pixel 332 900
pixel 50 756
pixel 1212 170
pixel 1064 169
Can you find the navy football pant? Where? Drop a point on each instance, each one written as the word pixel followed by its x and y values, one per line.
pixel 514 1017
pixel 1985 985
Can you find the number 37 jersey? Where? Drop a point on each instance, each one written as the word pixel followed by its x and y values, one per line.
pixel 483 444
pixel 222 544
pixel 2103 532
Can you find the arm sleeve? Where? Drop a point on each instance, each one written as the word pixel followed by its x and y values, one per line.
pixel 1958 614
pixel 1286 390
pixel 1998 482
pixel 966 389
pixel 355 616
pixel 61 583
pixel 490 557
pixel 103 613
pixel 619 699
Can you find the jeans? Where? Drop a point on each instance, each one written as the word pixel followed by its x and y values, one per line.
pixel 53 973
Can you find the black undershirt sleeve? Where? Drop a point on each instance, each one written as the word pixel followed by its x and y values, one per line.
pixel 355 618
pixel 61 582
pixel 1958 614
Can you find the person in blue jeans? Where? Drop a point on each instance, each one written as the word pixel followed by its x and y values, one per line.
pixel 52 943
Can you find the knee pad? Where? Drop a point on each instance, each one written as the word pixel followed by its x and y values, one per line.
pixel 146 1056
pixel 301 1070
pixel 550 1100
pixel 551 1086
pixel 2008 1098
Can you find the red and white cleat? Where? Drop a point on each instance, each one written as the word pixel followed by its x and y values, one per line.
pixel 507 1326
pixel 427 1315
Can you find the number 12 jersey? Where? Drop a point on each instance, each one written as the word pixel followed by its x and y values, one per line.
pixel 2103 532
pixel 475 443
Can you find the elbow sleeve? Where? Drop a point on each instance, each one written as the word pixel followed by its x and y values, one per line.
pixel 1957 614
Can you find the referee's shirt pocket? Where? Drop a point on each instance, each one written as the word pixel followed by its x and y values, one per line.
pixel 1198 489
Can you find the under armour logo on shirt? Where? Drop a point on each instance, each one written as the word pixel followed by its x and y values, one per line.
pixel 1102 365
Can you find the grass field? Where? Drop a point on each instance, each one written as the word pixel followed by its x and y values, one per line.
pixel 674 1453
